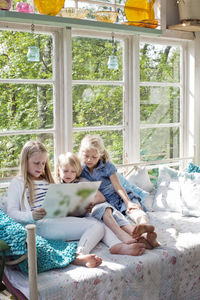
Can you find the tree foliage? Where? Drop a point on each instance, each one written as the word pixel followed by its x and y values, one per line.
pixel 29 106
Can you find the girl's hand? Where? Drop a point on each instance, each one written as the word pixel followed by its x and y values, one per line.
pixel 39 213
pixel 132 205
pixel 90 207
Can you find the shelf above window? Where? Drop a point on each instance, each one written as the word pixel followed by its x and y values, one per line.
pixel 56 21
pixel 187 26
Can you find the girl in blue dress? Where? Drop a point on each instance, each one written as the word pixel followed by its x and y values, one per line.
pixel 118 232
pixel 97 167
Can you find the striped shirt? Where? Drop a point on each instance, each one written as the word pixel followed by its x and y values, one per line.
pixel 40 190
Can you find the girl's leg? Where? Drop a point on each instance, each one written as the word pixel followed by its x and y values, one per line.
pixel 88 230
pixel 110 216
pixel 138 216
pixel 144 228
pixel 92 235
pixel 117 247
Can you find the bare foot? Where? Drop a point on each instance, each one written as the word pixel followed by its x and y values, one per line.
pixel 142 228
pixel 151 238
pixel 134 249
pixel 145 241
pixel 87 260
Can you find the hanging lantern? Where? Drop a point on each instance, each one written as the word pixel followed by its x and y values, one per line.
pixel 33 53
pixel 113 63
pixel 49 7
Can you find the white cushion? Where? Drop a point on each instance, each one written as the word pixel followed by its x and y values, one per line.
pixel 147 202
pixel 140 177
pixel 190 194
pixel 168 196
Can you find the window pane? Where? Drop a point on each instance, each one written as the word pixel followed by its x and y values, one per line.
pixel 113 141
pixel 159 63
pixel 26 106
pixel 159 105
pixel 10 149
pixel 159 143
pixel 97 105
pixel 90 57
pixel 13 55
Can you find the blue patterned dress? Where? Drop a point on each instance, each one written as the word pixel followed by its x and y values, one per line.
pixel 102 173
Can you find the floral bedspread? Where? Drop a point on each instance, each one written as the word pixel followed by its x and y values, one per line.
pixel 170 272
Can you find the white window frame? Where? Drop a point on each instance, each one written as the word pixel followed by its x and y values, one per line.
pixel 62 83
pixel 183 85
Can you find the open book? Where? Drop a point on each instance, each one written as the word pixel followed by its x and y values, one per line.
pixel 69 199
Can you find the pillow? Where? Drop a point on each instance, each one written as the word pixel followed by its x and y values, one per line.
pixel 168 194
pixel 193 168
pixel 190 194
pixel 140 178
pixel 126 184
pixel 147 202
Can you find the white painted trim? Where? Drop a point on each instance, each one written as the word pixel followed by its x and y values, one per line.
pixel 159 84
pixel 67 65
pixel 190 96
pixel 93 82
pixel 133 142
pixel 99 128
pixel 161 125
pixel 197 99
pixel 183 101
pixel 57 75
pixel 23 132
pixel 28 81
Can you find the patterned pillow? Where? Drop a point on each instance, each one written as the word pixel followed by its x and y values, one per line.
pixel 190 194
pixel 168 193
pixel 193 168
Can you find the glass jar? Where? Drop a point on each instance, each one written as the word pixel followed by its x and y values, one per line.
pixel 6 4
pixel 49 7
pixel 142 12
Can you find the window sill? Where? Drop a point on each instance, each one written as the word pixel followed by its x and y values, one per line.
pixel 38 19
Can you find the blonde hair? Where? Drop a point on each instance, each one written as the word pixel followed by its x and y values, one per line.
pixel 71 159
pixel 94 142
pixel 28 150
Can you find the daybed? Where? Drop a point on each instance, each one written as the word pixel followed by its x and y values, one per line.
pixel 171 271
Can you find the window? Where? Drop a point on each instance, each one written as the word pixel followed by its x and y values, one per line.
pixel 160 101
pixel 26 96
pixel 98 102
pixel 135 126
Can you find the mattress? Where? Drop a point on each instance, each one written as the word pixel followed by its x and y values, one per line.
pixel 171 271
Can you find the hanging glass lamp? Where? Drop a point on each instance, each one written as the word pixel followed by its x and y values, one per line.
pixel 113 62
pixel 33 53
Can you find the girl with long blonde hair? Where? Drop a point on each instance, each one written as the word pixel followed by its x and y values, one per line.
pixel 26 194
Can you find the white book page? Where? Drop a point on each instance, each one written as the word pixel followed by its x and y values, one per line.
pixel 69 199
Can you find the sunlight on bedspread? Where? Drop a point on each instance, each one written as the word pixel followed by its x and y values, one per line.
pixel 171 271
